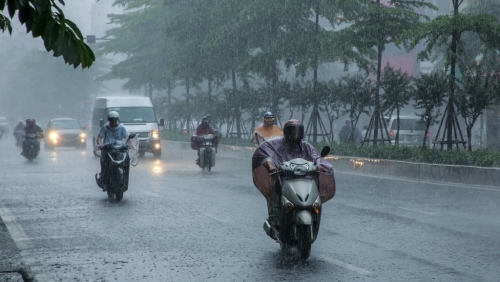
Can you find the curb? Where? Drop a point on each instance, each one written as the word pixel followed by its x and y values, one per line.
pixel 470 175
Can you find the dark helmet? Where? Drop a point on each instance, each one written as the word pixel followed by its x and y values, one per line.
pixel 268 115
pixel 30 122
pixel 204 120
pixel 293 131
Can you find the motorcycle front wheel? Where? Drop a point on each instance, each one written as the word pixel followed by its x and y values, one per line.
pixel 119 195
pixel 305 241
pixel 208 159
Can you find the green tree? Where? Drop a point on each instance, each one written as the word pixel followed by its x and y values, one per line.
pixel 478 89
pixel 447 31
pixel 355 97
pixel 45 18
pixel 396 87
pixel 43 87
pixel 377 24
pixel 428 94
pixel 139 36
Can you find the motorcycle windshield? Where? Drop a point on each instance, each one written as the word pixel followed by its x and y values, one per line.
pixel 133 151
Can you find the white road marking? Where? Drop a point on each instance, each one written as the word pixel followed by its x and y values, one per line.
pixel 430 213
pixel 216 218
pixel 17 233
pixel 343 264
pixel 468 186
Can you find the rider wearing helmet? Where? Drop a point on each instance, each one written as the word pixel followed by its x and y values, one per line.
pixel 270 154
pixel 110 132
pixel 268 130
pixel 203 129
pixel 18 131
pixel 31 127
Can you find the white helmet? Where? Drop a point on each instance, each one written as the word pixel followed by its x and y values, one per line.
pixel 115 117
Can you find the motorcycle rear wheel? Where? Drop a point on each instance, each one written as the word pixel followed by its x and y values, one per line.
pixel 110 194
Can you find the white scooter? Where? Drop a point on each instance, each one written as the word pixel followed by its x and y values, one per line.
pixel 296 209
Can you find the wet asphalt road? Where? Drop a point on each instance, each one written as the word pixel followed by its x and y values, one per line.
pixel 176 224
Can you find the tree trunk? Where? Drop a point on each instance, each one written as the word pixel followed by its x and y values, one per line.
pixel 237 114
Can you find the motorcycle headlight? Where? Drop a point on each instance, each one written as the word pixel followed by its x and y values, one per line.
pixel 82 135
pixel 155 134
pixel 53 135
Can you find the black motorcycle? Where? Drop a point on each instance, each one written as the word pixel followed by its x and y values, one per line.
pixel 117 165
pixel 31 146
pixel 206 151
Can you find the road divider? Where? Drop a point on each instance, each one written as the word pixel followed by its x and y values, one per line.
pixel 469 175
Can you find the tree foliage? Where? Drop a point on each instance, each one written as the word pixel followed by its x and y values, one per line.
pixel 45 19
pixel 378 24
pixel 43 87
pixel 396 87
pixel 428 93
pixel 478 89
pixel 447 31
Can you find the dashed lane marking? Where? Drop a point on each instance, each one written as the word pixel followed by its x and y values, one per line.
pixel 430 213
pixel 216 218
pixel 343 264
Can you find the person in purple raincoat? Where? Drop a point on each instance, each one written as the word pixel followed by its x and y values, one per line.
pixel 269 155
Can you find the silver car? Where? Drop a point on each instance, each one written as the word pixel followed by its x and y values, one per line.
pixel 411 131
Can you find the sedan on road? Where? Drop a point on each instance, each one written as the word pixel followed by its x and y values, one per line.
pixel 65 132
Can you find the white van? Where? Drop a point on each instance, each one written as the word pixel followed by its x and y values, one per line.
pixel 136 114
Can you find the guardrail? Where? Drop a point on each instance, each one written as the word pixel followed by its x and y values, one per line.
pixel 470 175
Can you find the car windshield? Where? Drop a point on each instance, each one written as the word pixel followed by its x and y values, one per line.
pixel 135 114
pixel 65 124
pixel 408 124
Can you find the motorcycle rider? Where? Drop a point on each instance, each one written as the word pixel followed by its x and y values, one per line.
pixel 110 132
pixel 17 129
pixel 203 129
pixel 268 129
pixel 270 154
pixel 31 127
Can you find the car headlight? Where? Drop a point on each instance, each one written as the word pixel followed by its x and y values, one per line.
pixel 155 134
pixel 82 135
pixel 53 135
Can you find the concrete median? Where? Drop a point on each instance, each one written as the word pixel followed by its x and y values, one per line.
pixel 484 176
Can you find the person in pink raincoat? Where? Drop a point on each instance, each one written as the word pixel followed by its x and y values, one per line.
pixel 269 155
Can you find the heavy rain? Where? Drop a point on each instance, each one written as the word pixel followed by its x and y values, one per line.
pixel 227 140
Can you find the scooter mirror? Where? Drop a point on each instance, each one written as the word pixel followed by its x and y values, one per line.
pixel 325 151
pixel 162 122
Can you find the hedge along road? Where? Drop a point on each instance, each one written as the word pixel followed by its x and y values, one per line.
pixel 177 224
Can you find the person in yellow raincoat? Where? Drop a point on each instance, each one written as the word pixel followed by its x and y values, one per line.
pixel 267 131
